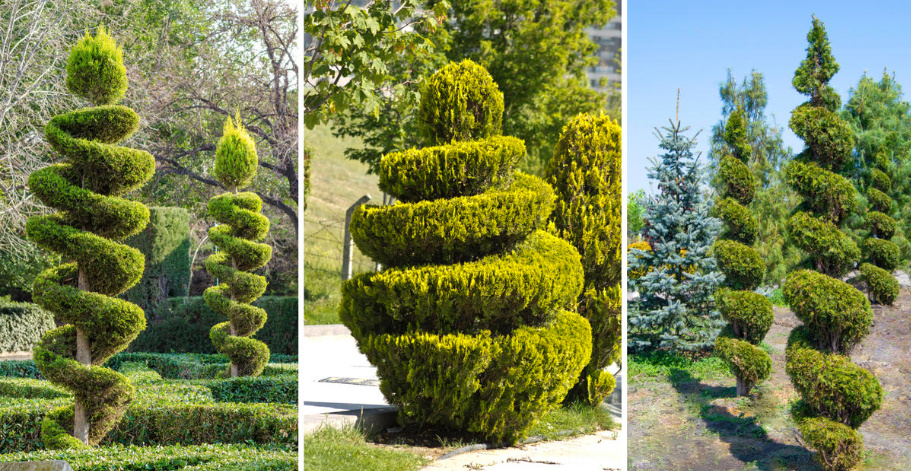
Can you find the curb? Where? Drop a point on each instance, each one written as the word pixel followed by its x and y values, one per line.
pixel 369 420
pixel 325 330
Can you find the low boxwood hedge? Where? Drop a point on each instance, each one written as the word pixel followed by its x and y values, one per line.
pixel 258 389
pixel 22 325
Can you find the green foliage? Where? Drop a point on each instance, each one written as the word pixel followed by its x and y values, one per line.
pixel 182 324
pixel 235 156
pixel 879 201
pixel 459 169
pixel 460 102
pixel 739 224
pixel 165 244
pixel 330 449
pixel 836 314
pixel 634 212
pixel 881 225
pixel 749 314
pixel 815 71
pixel 880 180
pixel 86 189
pixel 746 361
pixel 825 193
pixel 22 325
pixel 736 179
pixel 838 447
pixel 453 230
pixel 832 251
pixel 742 266
pixel 829 137
pixel 493 386
pixel 95 70
pixel 735 135
pixel 882 253
pixel 883 286
pixel 261 389
pixel 241 252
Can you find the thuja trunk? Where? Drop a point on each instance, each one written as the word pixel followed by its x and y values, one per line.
pixel 84 356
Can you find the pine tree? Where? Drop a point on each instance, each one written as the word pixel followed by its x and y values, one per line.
pixel 836 396
pixel 675 308
pixel 749 314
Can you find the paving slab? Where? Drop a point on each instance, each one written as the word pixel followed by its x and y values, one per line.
pixel 15 356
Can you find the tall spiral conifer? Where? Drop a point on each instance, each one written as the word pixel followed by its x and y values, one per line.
pixel 883 255
pixel 239 239
pixel 88 188
pixel 748 314
pixel 836 396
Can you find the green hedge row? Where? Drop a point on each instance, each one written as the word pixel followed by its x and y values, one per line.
pixel 184 326
pixel 22 325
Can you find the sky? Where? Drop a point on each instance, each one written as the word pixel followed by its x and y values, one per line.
pixel 690 46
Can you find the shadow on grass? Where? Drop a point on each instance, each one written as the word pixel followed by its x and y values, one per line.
pixel 748 440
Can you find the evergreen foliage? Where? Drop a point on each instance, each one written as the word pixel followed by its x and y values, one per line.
pixel 749 315
pixel 585 172
pixel 88 189
pixel 22 325
pixel 678 275
pixel 477 342
pixel 836 395
pixel 165 244
pixel 241 252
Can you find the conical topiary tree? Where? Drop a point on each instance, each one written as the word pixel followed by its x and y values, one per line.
pixel 585 172
pixel 238 238
pixel 466 323
pixel 882 253
pixel 749 314
pixel 836 396
pixel 88 189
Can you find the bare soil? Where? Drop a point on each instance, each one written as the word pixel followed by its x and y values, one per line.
pixel 687 424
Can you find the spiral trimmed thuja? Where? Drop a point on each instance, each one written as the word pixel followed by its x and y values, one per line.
pixel 87 190
pixel 238 239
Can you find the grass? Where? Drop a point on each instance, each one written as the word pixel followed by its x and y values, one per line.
pixel 663 365
pixel 575 418
pixel 329 449
pixel 777 298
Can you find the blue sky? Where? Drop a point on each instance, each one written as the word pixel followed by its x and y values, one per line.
pixel 690 45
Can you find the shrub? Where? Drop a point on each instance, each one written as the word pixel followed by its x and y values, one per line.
pixel 239 236
pixel 165 244
pixel 261 389
pixel 460 102
pixel 735 135
pixel 838 447
pixel 879 201
pixel 830 137
pixel 838 315
pixel 825 193
pixel 831 250
pixel 742 266
pixel 86 188
pixel 881 226
pixel 750 314
pixel 747 362
pixel 880 180
pixel 882 253
pixel 22 325
pixel 883 286
pixel 585 173
pixel 736 179
pixel 740 225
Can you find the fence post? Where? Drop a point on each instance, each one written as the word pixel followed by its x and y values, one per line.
pixel 348 242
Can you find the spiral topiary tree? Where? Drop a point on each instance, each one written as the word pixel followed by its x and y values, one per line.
pixel 88 188
pixel 585 172
pixel 882 253
pixel 466 323
pixel 836 396
pixel 239 237
pixel 749 314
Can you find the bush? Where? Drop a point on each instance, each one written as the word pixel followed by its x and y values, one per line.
pixel 825 193
pixel 749 363
pixel 837 314
pixel 882 253
pixel 831 250
pixel 184 327
pixel 262 389
pixel 838 447
pixel 829 136
pixel 880 180
pixel 165 244
pixel 879 201
pixel 460 102
pixel 737 180
pixel 739 224
pixel 750 314
pixel 458 169
pixel 883 286
pixel 22 325
pixel 742 266
pixel 881 226
pixel 642 246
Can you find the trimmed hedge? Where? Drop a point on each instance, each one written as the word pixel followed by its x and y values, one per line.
pixel 831 250
pixel 737 180
pixel 829 136
pixel 750 314
pixel 825 193
pixel 742 266
pixel 453 230
pixel 458 169
pixel 739 223
pixel 185 325
pixel 497 293
pixel 883 286
pixel 22 325
pixel 165 244
pixel 460 102
pixel 882 253
pixel 879 201
pixel 838 314
pixel 881 225
pixel 747 362
pixel 260 389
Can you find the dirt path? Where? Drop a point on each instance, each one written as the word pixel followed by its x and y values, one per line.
pixel 691 425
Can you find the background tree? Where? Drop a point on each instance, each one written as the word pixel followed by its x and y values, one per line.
pixel 88 188
pixel 674 309
pixel 748 314
pixel 585 173
pixel 239 239
pixel 836 396
pixel 635 210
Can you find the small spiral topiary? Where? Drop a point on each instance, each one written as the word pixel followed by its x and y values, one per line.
pixel 881 251
pixel 837 396
pixel 467 322
pixel 748 314
pixel 88 189
pixel 238 238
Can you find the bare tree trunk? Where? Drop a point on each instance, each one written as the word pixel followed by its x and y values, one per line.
pixel 84 356
pixel 743 387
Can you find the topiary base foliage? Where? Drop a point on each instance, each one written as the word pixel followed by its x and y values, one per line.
pixel 494 386
pixel 838 447
pixel 883 286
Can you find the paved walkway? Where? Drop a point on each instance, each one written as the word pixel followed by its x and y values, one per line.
pixel 15 356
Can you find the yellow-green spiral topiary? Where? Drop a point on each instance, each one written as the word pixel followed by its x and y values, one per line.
pixel 238 239
pixel 87 189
